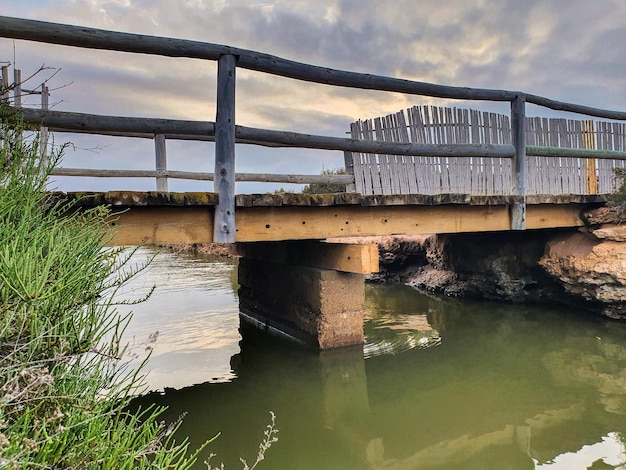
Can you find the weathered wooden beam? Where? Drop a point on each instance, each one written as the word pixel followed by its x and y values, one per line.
pixel 224 228
pixel 199 176
pixel 350 258
pixel 518 164
pixel 169 136
pixel 94 123
pixel 278 200
pixel 94 173
pixel 139 199
pixel 92 38
pixel 295 139
pixel 86 122
pixel 538 151
pixel 575 108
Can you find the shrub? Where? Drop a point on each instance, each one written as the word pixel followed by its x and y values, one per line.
pixel 326 188
pixel 63 385
pixel 618 197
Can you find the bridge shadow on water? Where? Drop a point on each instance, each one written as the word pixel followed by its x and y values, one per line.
pixel 446 384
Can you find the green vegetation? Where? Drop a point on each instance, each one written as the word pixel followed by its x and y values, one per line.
pixel 618 197
pixel 326 188
pixel 63 384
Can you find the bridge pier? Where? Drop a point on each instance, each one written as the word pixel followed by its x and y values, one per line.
pixel 310 291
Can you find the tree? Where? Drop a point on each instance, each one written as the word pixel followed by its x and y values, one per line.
pixel 326 188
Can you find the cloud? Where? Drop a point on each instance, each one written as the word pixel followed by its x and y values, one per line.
pixel 566 50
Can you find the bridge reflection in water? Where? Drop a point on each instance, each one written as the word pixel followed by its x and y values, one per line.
pixel 501 387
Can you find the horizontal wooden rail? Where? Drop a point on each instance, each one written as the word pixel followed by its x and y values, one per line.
pixel 95 123
pixel 199 176
pixel 294 139
pixel 118 124
pixel 537 151
pixel 92 38
pixel 62 121
pixel 167 135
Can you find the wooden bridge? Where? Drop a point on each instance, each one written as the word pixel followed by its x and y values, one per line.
pixel 426 170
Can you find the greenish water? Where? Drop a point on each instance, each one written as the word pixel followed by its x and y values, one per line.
pixel 440 383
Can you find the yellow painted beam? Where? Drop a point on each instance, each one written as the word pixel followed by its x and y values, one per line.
pixel 350 258
pixel 164 225
pixel 554 215
pixel 156 225
pixel 292 223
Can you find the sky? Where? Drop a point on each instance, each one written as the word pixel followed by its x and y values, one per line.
pixel 569 50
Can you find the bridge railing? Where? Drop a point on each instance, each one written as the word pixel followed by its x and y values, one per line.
pixel 226 132
pixel 485 176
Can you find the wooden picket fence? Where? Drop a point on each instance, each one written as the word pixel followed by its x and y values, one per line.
pixel 402 174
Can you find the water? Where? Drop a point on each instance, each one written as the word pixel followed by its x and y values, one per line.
pixel 440 383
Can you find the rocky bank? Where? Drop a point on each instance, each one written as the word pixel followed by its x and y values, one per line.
pixel 583 268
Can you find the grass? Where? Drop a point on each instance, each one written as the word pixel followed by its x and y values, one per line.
pixel 63 383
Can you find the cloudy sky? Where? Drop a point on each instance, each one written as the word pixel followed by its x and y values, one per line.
pixel 570 50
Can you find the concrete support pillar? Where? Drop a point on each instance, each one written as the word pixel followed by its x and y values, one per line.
pixel 320 307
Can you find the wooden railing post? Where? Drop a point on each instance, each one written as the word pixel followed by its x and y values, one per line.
pixel 161 161
pixel 518 164
pixel 5 83
pixel 43 130
pixel 224 224
pixel 17 91
pixel 349 165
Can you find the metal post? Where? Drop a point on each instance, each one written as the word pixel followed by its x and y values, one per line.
pixel 518 164
pixel 161 161
pixel 224 224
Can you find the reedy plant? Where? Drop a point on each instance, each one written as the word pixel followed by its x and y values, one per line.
pixel 63 384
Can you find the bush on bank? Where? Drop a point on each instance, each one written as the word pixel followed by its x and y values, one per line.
pixel 63 386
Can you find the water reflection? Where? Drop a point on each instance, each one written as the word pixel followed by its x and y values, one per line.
pixel 506 387
pixel 396 323
pixel 192 312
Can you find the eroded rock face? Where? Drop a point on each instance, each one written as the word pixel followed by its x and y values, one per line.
pixel 605 215
pixel 583 269
pixel 502 266
pixel 616 233
pixel 590 268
